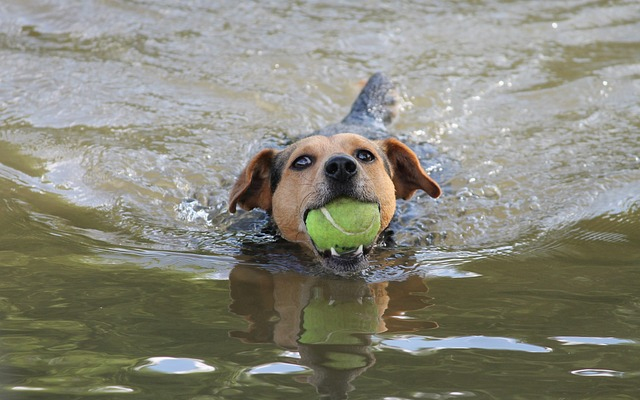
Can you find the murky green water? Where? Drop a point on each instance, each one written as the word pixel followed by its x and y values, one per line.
pixel 521 282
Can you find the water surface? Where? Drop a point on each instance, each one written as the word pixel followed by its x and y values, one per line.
pixel 124 123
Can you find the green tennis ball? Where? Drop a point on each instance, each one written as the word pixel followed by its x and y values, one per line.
pixel 344 224
pixel 338 322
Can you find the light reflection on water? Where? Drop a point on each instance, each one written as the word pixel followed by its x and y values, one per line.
pixel 277 368
pixel 596 341
pixel 112 115
pixel 421 345
pixel 171 365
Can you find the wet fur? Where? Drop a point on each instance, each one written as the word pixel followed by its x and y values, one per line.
pixel 271 182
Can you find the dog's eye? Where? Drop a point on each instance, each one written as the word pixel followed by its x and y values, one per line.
pixel 365 156
pixel 302 162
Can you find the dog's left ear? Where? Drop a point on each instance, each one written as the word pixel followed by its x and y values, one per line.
pixel 253 187
pixel 406 172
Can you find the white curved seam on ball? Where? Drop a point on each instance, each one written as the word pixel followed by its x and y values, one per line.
pixel 329 218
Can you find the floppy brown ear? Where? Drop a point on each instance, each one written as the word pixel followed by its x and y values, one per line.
pixel 253 187
pixel 406 172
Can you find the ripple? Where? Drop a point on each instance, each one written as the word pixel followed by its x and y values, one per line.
pixel 419 345
pixel 112 389
pixel 276 368
pixel 595 341
pixel 175 366
pixel 598 372
pixel 28 389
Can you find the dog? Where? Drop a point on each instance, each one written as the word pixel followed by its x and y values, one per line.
pixel 355 158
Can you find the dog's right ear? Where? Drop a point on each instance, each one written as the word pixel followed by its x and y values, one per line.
pixel 253 187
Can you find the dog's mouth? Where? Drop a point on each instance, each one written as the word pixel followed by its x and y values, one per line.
pixel 345 263
pixel 339 261
pixel 361 251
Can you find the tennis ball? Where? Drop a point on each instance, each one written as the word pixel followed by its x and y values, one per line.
pixel 343 225
pixel 338 322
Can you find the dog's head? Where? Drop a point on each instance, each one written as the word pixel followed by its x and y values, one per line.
pixel 318 169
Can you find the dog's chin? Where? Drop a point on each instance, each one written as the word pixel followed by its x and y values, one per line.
pixel 345 264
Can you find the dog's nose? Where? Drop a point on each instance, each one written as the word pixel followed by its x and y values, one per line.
pixel 341 167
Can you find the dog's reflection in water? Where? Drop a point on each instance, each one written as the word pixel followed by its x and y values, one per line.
pixel 329 322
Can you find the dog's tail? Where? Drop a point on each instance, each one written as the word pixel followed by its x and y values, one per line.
pixel 377 104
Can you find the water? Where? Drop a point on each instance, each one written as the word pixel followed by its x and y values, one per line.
pixel 519 283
